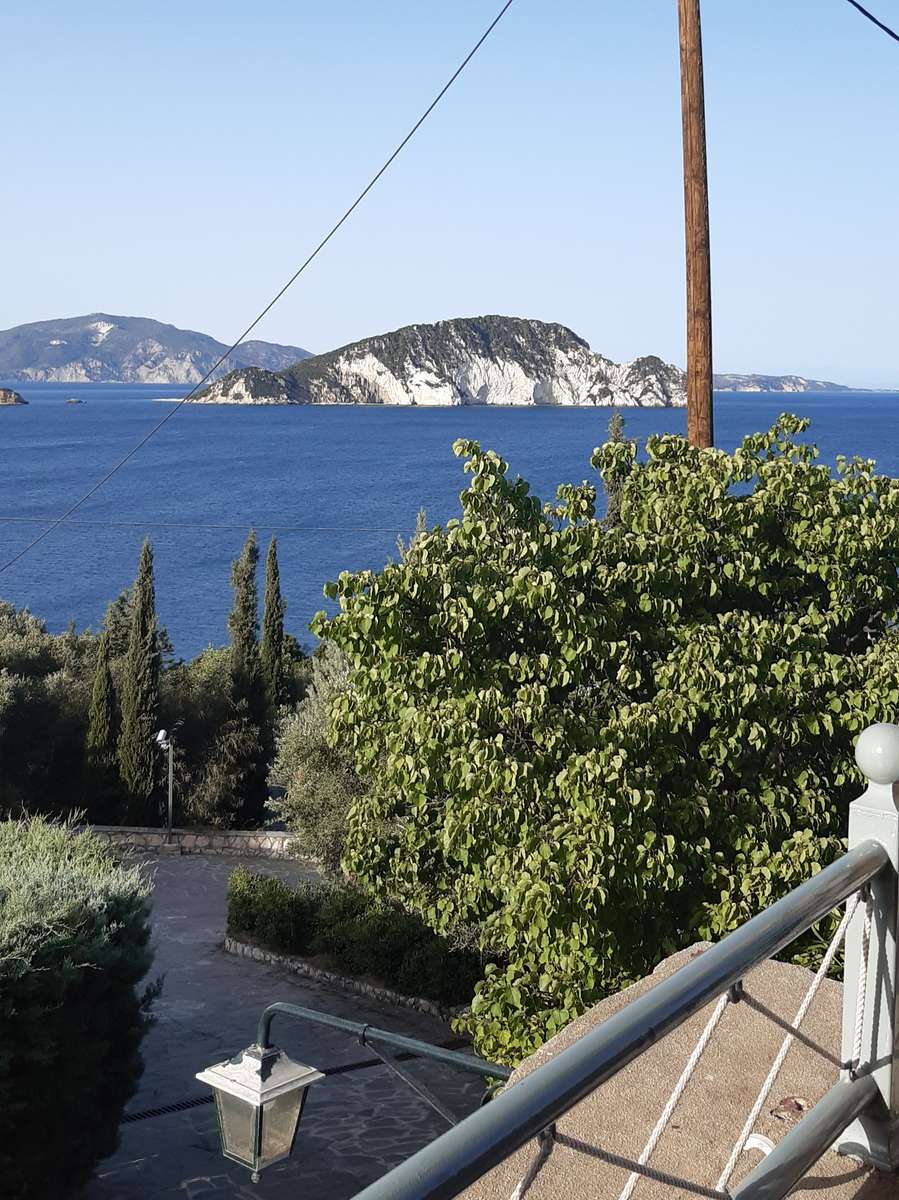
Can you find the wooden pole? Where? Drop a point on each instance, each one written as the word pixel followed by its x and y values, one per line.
pixel 700 427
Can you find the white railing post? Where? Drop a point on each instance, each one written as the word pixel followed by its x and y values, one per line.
pixel 875 815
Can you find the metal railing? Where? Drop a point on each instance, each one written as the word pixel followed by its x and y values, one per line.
pixel 862 1109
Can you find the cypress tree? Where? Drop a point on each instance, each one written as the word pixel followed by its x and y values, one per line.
pixel 247 682
pixel 271 650
pixel 102 783
pixel 101 729
pixel 140 694
pixel 613 490
pixel 243 623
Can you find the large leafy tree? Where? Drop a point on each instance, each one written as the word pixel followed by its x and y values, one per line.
pixel 598 743
pixel 271 648
pixel 137 751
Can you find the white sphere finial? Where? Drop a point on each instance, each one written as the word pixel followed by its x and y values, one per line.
pixel 877 753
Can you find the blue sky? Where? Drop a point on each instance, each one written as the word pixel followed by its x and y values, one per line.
pixel 178 160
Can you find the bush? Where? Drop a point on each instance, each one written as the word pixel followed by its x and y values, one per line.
pixel 358 936
pixel 598 742
pixel 73 948
pixel 318 779
pixel 265 908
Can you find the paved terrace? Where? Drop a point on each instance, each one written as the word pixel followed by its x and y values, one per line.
pixel 355 1126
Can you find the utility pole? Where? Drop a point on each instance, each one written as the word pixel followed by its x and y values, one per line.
pixel 700 427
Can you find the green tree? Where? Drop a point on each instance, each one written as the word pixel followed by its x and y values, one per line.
pixel 271 650
pixel 140 696
pixel 614 435
pixel 102 734
pixel 248 684
pixel 601 744
pixel 318 778
pixel 421 526
pixel 117 625
pixel 101 756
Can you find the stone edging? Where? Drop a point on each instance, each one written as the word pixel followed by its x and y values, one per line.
pixel 261 843
pixel 301 967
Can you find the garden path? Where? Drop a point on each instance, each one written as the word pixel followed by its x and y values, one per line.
pixel 356 1125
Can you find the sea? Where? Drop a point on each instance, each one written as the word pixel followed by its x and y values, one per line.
pixel 337 485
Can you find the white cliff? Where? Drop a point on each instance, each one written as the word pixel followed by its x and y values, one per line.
pixel 468 361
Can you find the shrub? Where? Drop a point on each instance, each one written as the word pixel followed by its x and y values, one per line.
pixel 600 742
pixel 359 936
pixel 318 779
pixel 73 948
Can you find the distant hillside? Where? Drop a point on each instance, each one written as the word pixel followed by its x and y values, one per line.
pixel 466 361
pixel 101 348
pixel 776 383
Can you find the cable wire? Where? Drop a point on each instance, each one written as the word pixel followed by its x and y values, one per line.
pixel 249 329
pixel 880 25
pixel 213 526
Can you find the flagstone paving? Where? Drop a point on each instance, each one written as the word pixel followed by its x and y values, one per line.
pixel 356 1125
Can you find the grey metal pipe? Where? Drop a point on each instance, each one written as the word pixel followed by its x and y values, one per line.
pixel 369 1036
pixel 779 1173
pixel 448 1165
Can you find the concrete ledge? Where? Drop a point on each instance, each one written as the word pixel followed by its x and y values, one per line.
pixel 620 1114
pixel 300 966
pixel 255 843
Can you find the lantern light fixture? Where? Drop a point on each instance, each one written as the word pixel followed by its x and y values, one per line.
pixel 259 1100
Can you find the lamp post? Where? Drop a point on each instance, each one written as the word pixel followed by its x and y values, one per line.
pixel 165 740
pixel 261 1092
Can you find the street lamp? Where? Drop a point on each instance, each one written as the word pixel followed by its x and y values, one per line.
pixel 165 740
pixel 259 1099
pixel 260 1093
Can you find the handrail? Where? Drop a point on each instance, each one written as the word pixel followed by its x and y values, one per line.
pixel 444 1168
pixel 368 1035
pixel 777 1175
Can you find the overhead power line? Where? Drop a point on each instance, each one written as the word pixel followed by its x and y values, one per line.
pixel 208 526
pixel 249 329
pixel 880 25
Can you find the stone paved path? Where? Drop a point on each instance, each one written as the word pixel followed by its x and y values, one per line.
pixel 355 1126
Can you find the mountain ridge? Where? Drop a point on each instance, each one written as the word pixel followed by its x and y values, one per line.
pixel 458 362
pixel 109 348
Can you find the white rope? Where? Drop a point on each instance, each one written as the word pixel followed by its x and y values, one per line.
pixel 787 1043
pixel 675 1096
pixel 545 1143
pixel 549 1137
pixel 618 1160
pixel 861 997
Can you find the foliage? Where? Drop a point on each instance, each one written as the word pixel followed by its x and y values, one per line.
pixel 600 743
pixel 248 687
pixel 318 779
pixel 102 739
pixel 44 698
pixel 59 714
pixel 229 773
pixel 614 434
pixel 117 626
pixel 271 647
pixel 357 935
pixel 404 549
pixel 138 755
pixel 74 944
